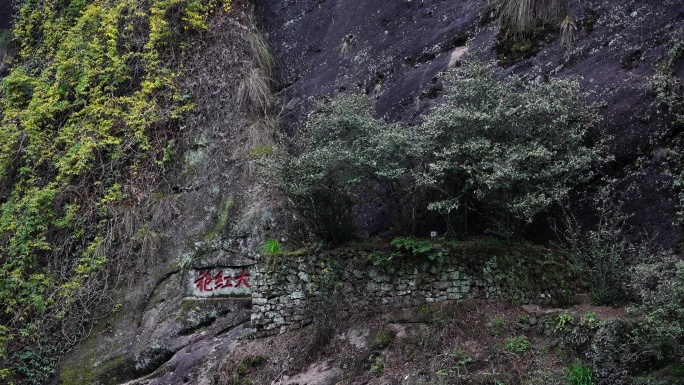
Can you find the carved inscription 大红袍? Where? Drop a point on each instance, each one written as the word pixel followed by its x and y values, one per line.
pixel 220 281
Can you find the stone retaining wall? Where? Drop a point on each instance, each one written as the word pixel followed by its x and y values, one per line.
pixel 288 288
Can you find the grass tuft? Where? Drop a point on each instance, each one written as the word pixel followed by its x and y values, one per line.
pixel 522 17
pixel 254 93
pixel 567 31
pixel 524 14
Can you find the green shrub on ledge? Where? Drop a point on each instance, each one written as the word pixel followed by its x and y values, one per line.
pixel 516 147
pixel 508 147
pixel 347 156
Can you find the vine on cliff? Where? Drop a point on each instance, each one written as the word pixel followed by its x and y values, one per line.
pixel 87 113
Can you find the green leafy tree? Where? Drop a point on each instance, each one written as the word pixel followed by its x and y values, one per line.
pixel 345 157
pixel 515 147
pixel 507 147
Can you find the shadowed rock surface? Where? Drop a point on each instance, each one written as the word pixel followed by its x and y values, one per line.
pixel 6 14
pixel 391 51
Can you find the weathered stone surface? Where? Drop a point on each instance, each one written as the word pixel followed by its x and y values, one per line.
pixel 207 213
pixel 195 361
pixel 210 259
pixel 442 285
pixel 317 374
pixel 393 51
pixel 298 297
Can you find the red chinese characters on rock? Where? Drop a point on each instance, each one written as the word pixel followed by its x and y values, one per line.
pixel 220 281
pixel 242 279
pixel 205 283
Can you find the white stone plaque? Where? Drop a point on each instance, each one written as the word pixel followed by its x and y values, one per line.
pixel 225 281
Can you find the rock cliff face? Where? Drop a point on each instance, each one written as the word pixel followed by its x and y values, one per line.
pixel 391 51
pixel 5 14
pixel 210 213
pixel 156 332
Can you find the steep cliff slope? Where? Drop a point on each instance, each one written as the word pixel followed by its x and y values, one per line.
pixel 107 251
pixel 212 212
pixel 6 12
pixel 209 211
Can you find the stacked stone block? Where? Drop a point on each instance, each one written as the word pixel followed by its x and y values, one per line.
pixel 287 290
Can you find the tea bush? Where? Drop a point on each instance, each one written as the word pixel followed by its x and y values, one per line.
pixel 665 84
pixel 516 147
pixel 669 95
pixel 602 253
pixel 507 147
pixel 347 156
pixel 659 284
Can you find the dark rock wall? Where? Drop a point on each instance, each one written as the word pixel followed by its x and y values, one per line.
pixel 393 51
pixel 616 61
pixel 390 50
pixel 6 14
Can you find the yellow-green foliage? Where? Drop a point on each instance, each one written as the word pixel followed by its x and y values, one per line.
pixel 87 109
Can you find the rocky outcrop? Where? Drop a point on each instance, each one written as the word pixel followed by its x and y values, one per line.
pixel 391 51
pixel 210 213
